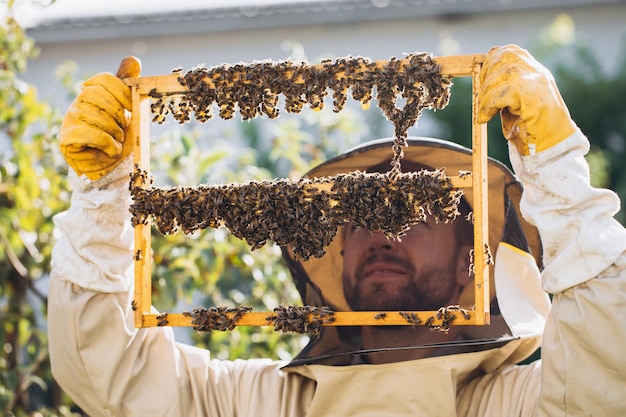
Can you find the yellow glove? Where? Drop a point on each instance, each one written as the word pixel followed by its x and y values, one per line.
pixel 92 137
pixel 533 113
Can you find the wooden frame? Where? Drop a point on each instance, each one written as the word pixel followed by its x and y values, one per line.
pixel 454 66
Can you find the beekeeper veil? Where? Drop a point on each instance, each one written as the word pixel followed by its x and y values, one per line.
pixel 519 306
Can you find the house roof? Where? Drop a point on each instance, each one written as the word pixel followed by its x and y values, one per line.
pixel 76 19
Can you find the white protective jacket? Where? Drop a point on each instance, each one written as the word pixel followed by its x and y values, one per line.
pixel 112 369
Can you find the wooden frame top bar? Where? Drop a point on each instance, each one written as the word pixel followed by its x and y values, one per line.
pixel 454 66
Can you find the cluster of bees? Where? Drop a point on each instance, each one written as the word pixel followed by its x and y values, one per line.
pixel 301 319
pixel 411 317
pixel 295 213
pixel 216 318
pixel 447 316
pixel 299 213
pixel 255 88
pixel 487 256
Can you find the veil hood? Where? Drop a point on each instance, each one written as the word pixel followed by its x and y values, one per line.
pixel 519 304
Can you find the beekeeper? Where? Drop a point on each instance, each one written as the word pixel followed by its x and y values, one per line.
pixel 557 237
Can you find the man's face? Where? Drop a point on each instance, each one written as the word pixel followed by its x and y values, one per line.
pixel 423 271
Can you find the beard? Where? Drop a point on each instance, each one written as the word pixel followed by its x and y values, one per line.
pixel 427 290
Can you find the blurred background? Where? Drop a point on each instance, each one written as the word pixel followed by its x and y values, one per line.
pixel 48 48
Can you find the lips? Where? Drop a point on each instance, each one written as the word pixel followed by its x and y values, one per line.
pixel 383 270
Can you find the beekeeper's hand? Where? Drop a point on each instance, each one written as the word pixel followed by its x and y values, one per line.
pixel 534 115
pixel 92 137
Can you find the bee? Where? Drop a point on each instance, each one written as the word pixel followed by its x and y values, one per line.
pixel 177 70
pixel 458 308
pixel 138 256
pixel 133 305
pixel 237 314
pixel 411 318
pixel 464 174
pixel 162 319
pixel 447 318
pixel 379 316
pixel 488 255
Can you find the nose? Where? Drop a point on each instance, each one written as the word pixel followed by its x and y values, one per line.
pixel 378 242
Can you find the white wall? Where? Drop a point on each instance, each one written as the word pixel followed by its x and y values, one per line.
pixel 602 26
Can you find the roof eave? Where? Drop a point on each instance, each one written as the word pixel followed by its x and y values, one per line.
pixel 222 19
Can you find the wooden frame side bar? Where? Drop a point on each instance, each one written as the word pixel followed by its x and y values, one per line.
pixel 139 132
pixel 480 209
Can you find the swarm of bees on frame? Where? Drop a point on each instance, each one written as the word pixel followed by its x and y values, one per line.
pixel 216 318
pixel 298 319
pixel 299 213
pixel 295 213
pixel 301 319
pixel 255 88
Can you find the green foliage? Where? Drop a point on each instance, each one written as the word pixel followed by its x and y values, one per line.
pixel 594 95
pixel 455 121
pixel 595 101
pixel 32 189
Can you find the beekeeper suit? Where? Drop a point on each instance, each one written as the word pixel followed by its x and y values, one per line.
pixel 560 239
